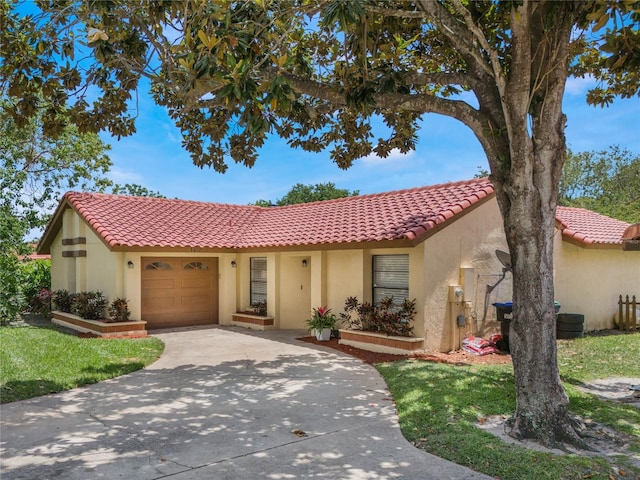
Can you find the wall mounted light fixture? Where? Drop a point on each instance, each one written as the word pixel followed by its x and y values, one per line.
pixel 130 264
pixel 304 263
pixel 233 264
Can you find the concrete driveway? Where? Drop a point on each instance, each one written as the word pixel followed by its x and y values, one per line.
pixel 221 403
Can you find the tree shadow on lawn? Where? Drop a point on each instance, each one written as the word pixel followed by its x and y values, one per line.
pixel 447 410
pixel 111 370
pixel 18 389
pixel 15 390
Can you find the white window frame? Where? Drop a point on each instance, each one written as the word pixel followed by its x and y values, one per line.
pixel 257 280
pixel 390 277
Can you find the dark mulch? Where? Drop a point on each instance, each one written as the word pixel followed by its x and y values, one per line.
pixel 458 357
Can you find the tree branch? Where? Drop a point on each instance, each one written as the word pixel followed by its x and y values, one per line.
pixel 482 40
pixel 393 12
pixel 459 37
pixel 437 78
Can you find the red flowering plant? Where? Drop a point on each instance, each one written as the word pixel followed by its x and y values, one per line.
pixel 321 318
pixel 41 302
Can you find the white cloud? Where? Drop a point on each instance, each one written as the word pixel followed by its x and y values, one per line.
pixel 395 157
pixel 119 175
pixel 579 86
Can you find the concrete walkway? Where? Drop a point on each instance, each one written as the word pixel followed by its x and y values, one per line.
pixel 221 403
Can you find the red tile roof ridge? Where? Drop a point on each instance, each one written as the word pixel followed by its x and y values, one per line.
pixel 366 196
pixel 73 194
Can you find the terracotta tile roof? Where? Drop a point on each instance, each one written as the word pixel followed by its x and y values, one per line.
pixel 589 228
pixel 153 222
pixel 34 256
pixel 158 222
pixel 404 214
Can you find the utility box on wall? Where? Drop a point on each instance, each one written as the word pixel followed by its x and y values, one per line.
pixel 468 280
pixel 456 294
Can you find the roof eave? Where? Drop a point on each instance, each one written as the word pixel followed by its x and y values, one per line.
pixel 163 248
pixel 588 244
pixel 53 227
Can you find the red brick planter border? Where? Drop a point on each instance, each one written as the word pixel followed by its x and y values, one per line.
pixel 97 327
pixel 256 322
pixel 376 342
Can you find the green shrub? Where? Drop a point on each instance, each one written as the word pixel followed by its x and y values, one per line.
pixel 386 317
pixel 119 310
pixel 11 299
pixel 35 276
pixel 89 305
pixel 41 302
pixel 62 300
pixel 12 231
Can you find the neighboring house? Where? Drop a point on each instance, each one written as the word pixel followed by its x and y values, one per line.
pixel 191 263
pixel 34 256
pixel 591 266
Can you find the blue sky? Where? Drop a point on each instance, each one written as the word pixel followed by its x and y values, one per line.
pixel 447 151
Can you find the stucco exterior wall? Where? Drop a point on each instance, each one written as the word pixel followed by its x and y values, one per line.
pixel 293 290
pixel 99 270
pixel 60 267
pixel 63 269
pixel 103 268
pixel 589 280
pixel 345 272
pixel 464 254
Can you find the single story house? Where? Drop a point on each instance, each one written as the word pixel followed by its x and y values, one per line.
pixel 183 263
pixel 592 266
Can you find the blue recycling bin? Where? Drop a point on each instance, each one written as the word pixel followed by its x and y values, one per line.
pixel 503 314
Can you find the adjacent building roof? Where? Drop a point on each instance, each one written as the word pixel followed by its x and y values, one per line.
pixel 34 256
pixel 589 228
pixel 142 222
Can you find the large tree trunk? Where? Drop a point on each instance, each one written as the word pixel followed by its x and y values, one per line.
pixel 526 178
pixel 541 403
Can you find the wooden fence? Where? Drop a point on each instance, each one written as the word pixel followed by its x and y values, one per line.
pixel 627 313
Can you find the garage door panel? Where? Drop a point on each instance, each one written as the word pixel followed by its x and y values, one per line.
pixel 159 284
pixel 195 292
pixel 168 278
pixel 180 296
pixel 196 283
pixel 163 321
pixel 195 303
pixel 196 318
pixel 159 303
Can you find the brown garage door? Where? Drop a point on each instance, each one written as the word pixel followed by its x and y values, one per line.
pixel 179 292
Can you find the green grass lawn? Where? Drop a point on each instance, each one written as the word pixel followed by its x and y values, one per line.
pixel 40 360
pixel 439 406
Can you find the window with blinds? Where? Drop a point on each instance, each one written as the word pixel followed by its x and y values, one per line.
pixel 258 279
pixel 390 278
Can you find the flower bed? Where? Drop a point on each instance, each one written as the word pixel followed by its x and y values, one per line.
pixel 377 342
pixel 253 321
pixel 99 327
